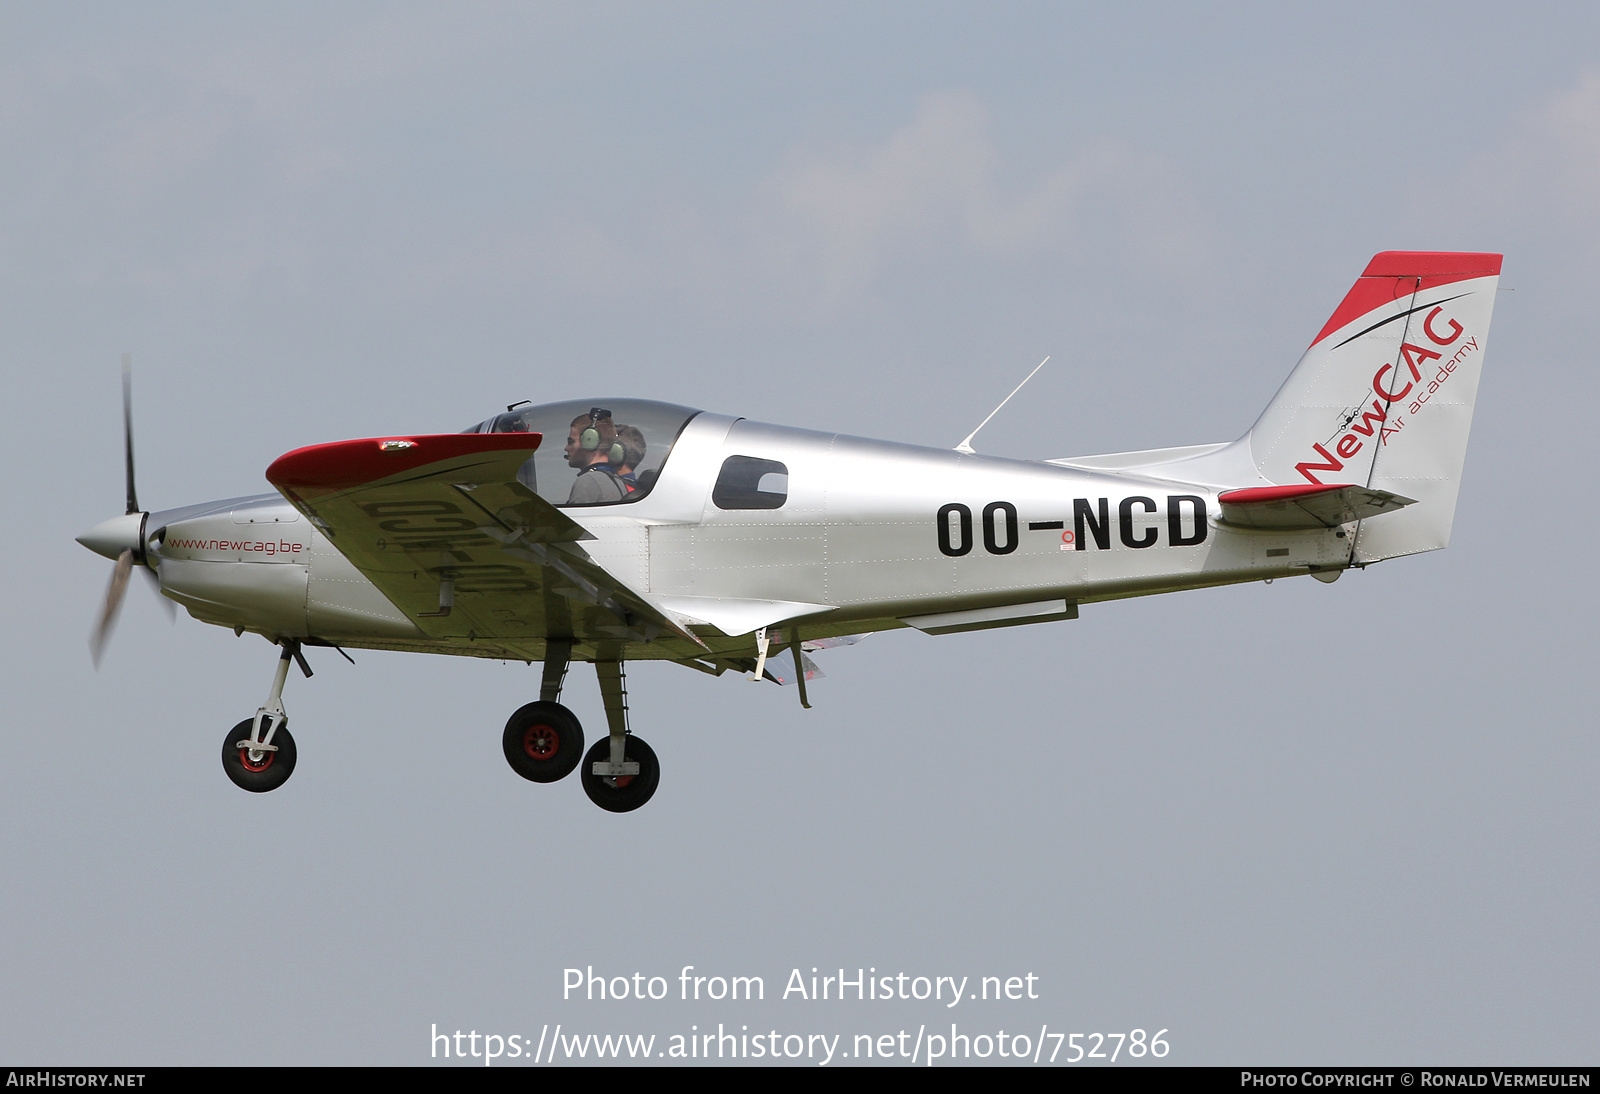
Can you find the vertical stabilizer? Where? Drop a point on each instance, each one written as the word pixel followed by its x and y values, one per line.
pixel 1384 396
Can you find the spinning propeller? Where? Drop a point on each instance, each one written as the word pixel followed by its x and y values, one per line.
pixel 121 538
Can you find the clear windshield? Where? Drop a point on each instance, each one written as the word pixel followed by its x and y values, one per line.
pixel 595 451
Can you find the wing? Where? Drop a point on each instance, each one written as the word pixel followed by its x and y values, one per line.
pixel 1285 508
pixel 441 525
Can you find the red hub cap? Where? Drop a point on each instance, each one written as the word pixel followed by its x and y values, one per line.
pixel 266 760
pixel 541 742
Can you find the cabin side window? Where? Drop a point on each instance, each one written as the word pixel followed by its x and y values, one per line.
pixel 746 482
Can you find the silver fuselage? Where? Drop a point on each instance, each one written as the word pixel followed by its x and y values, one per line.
pixel 877 532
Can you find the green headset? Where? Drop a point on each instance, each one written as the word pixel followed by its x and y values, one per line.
pixel 589 439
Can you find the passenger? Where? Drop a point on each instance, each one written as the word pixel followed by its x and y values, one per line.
pixel 632 442
pixel 592 448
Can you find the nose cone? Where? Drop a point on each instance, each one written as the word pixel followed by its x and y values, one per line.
pixel 110 538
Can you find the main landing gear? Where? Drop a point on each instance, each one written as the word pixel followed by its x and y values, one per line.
pixel 543 740
pixel 258 754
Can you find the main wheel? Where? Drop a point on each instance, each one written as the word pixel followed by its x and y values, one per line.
pixel 624 793
pixel 269 772
pixel 543 742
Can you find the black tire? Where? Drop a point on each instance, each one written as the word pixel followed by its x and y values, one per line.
pixel 629 792
pixel 274 769
pixel 543 742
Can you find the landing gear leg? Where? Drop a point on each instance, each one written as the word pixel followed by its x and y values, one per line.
pixel 543 741
pixel 621 772
pixel 557 656
pixel 258 753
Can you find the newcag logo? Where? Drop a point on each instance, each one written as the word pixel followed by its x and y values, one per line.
pixel 1361 424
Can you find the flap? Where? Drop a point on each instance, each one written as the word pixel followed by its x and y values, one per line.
pixel 733 616
pixel 982 619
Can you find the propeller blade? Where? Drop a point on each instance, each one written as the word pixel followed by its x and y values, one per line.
pixel 108 614
pixel 127 428
pixel 155 586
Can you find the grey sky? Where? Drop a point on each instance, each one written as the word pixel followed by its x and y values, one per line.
pixel 1289 823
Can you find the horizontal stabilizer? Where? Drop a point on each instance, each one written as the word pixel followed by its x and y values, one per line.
pixel 1284 508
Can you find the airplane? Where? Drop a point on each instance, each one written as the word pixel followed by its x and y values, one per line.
pixel 650 531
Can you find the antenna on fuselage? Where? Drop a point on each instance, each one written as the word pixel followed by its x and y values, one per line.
pixel 966 445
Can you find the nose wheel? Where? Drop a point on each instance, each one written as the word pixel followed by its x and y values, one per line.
pixel 257 769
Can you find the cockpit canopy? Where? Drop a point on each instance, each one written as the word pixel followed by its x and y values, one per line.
pixel 620 457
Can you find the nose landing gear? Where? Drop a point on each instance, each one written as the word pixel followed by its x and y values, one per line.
pixel 258 754
pixel 255 769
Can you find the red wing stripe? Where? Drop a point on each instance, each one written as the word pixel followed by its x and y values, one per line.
pixel 344 464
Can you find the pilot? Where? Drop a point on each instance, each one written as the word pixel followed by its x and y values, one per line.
pixel 592 448
pixel 632 442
